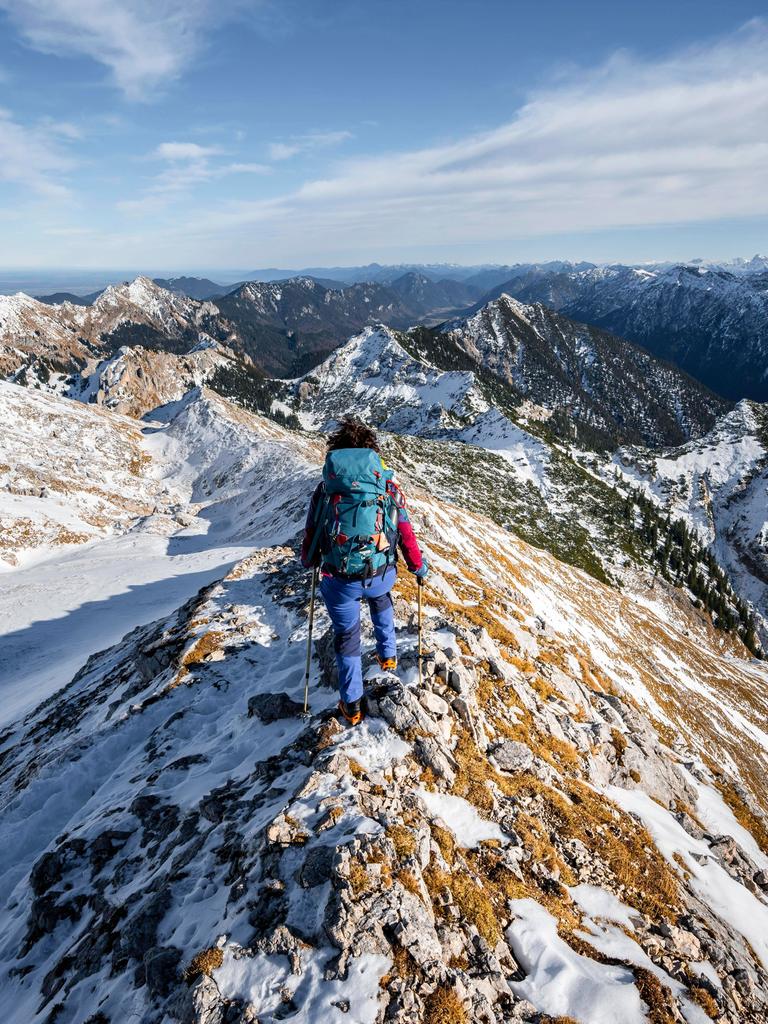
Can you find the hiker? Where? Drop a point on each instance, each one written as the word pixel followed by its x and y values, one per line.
pixel 356 520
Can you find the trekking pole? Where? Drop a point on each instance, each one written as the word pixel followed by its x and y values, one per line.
pixel 315 574
pixel 419 588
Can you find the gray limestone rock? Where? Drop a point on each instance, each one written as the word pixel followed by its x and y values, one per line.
pixel 513 756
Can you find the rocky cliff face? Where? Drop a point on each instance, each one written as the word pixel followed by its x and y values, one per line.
pixel 137 380
pixel 566 821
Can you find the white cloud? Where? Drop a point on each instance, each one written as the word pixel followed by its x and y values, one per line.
pixel 635 142
pixel 189 164
pixel 144 43
pixel 301 143
pixel 283 150
pixel 244 168
pixel 184 151
pixel 31 157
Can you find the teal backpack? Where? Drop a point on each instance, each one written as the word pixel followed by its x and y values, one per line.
pixel 356 522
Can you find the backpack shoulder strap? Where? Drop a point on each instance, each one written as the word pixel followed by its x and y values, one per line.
pixel 322 505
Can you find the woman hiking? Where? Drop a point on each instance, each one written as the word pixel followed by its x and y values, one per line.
pixel 356 521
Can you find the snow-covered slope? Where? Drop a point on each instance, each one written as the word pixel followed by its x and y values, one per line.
pixel 374 377
pixel 176 843
pixel 717 484
pixel 68 474
pixel 115 522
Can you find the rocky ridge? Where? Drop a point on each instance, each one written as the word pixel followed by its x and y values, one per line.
pixel 612 390
pixel 178 844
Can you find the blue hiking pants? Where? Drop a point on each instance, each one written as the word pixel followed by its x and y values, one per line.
pixel 342 599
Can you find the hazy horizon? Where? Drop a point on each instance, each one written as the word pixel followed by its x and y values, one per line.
pixel 83 280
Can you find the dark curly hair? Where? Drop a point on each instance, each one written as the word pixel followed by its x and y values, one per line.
pixel 353 433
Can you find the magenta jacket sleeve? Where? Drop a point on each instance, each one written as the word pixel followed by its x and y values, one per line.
pixel 408 543
pixel 309 526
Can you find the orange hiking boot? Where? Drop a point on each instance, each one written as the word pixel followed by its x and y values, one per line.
pixel 353 712
pixel 387 664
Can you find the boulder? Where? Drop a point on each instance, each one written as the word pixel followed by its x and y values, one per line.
pixel 270 707
pixel 513 756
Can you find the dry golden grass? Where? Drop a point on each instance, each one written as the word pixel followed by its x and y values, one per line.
pixel 662 1007
pixel 358 878
pixel 751 822
pixel 473 774
pixel 445 842
pixel 409 882
pixel 330 818
pixel 139 461
pixel 619 744
pixel 544 688
pixel 705 999
pixel 443 1006
pixel 474 904
pixel 403 966
pixel 403 840
pixel 499 882
pixel 563 753
pixel 623 845
pixel 204 962
pixel 202 648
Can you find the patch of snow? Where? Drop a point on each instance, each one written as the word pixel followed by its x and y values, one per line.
pixel 613 942
pixel 561 982
pixel 717 817
pixel 262 981
pixel 723 894
pixel 462 818
pixel 446 640
pixel 597 902
pixel 374 745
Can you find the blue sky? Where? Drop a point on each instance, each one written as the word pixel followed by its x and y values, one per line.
pixel 194 135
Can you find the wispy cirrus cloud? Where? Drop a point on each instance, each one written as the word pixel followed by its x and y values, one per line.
pixel 678 139
pixel 287 148
pixel 144 43
pixel 186 164
pixel 31 155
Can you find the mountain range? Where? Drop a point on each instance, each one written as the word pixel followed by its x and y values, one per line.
pixel 707 318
